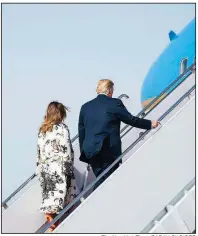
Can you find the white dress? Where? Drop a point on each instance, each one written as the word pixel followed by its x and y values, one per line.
pixel 55 161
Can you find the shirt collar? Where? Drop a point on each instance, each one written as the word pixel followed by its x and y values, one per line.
pixel 102 94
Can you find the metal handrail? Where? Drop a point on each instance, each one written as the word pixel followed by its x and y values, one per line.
pixel 160 216
pixel 142 112
pixel 91 185
pixel 4 203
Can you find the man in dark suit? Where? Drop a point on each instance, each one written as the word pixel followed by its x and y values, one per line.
pixel 99 128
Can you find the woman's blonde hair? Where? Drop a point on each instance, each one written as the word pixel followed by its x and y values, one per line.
pixel 55 114
pixel 104 86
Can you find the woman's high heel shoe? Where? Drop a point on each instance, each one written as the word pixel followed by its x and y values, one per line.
pixel 49 218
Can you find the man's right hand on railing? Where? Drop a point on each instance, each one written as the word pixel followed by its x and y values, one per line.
pixel 155 123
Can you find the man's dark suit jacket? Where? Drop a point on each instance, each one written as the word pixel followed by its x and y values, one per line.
pixel 100 119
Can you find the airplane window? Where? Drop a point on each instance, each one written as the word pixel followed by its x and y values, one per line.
pixel 183 65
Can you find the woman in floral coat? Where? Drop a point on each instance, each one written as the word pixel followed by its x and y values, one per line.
pixel 55 161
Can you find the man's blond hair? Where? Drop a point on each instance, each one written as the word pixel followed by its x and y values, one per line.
pixel 104 86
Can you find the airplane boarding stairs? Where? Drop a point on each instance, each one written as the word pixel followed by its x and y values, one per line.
pixel 152 191
pixel 24 201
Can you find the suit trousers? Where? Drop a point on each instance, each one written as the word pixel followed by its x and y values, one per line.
pixel 101 162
